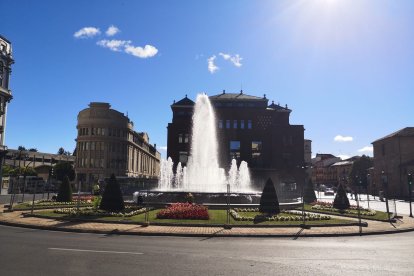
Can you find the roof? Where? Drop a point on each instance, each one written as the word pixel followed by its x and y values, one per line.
pixel 184 101
pixel 236 96
pixel 343 163
pixel 278 107
pixel 405 132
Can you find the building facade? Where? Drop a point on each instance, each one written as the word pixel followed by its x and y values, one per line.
pixel 107 144
pixel 6 60
pixel 393 161
pixel 248 129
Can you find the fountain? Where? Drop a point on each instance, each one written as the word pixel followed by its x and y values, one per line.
pixel 202 173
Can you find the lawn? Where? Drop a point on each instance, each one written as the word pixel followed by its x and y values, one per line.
pixel 217 217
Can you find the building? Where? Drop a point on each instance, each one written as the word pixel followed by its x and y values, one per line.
pixel 393 161
pixel 322 172
pixel 248 129
pixel 6 60
pixel 41 162
pixel 107 144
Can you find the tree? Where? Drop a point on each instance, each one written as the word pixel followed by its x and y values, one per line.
pixel 65 191
pixel 269 203
pixel 358 174
pixel 33 150
pixel 62 151
pixel 309 192
pixel 112 200
pixel 63 169
pixel 341 201
pixel 21 148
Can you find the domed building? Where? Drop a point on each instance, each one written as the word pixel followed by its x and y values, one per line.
pixel 108 144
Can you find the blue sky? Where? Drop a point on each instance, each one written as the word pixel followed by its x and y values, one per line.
pixel 345 67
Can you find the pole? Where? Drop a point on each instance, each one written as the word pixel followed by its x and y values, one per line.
pixel 34 195
pixel 385 186
pixel 24 184
pixel 359 210
pixel 410 190
pixel 79 189
pixel 303 201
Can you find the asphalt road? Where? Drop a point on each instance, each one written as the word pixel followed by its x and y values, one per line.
pixel 37 252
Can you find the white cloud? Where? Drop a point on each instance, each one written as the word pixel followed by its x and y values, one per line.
pixel 87 32
pixel 368 149
pixel 113 45
pixel 343 156
pixel 236 59
pixel 146 52
pixel 163 148
pixel 340 138
pixel 112 30
pixel 212 68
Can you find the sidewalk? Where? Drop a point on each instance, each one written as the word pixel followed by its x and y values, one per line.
pixel 17 219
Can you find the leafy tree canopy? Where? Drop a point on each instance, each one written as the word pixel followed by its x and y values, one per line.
pixel 21 148
pixel 63 169
pixel 358 174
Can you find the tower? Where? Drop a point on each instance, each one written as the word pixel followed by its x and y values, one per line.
pixel 6 60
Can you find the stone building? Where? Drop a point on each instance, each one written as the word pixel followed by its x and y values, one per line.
pixel 393 161
pixel 248 129
pixel 322 172
pixel 6 60
pixel 107 144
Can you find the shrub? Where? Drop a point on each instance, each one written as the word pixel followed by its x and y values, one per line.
pixel 112 200
pixel 189 198
pixel 65 191
pixel 341 201
pixel 269 202
pixel 309 192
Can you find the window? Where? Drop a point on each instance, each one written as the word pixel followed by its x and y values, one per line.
pixel 220 123
pixel 180 138
pixel 98 131
pixel 92 145
pixel 235 150
pixel 227 123
pixel 249 124
pixel 257 153
pixel 234 124
pixel 242 124
pixel 186 138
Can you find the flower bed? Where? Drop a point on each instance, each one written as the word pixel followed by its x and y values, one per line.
pixel 184 211
pixel 51 203
pixel 353 210
pixel 284 216
pixel 128 212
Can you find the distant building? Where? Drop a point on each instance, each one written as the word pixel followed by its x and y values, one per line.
pixel 394 159
pixel 41 162
pixel 248 129
pixel 322 172
pixel 6 60
pixel 107 144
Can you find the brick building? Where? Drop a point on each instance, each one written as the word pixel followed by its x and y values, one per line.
pixel 248 129
pixel 394 159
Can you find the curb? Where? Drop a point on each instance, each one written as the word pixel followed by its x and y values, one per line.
pixel 217 235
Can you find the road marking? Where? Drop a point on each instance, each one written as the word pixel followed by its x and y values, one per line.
pixel 94 251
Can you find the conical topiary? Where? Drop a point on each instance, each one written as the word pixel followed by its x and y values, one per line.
pixel 269 203
pixel 341 201
pixel 65 191
pixel 309 192
pixel 112 200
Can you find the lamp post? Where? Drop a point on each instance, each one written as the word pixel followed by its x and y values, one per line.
pixel 385 187
pixel 369 181
pixel 410 190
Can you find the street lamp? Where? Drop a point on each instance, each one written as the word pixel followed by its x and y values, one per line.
pixel 410 190
pixel 384 179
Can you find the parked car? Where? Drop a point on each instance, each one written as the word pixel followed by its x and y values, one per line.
pixel 329 192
